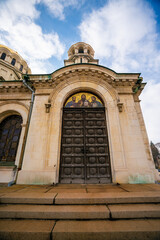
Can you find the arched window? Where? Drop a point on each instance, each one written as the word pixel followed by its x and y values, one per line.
pixel 21 68
pixel 13 61
pixel 10 129
pixel 3 56
pixel 80 50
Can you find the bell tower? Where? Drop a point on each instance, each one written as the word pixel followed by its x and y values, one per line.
pixel 80 53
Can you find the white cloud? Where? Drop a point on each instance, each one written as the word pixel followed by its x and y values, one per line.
pixel 20 32
pixel 57 7
pixel 124 36
pixel 151 110
pixel 121 31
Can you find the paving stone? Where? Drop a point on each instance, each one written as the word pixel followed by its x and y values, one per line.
pixel 33 190
pixel 28 197
pixel 135 211
pixel 67 190
pixel 8 190
pixel 70 186
pixel 111 197
pixel 26 229
pixel 40 186
pixel 107 230
pixel 54 212
pixel 98 190
pixel 108 186
pixel 154 187
pixel 137 187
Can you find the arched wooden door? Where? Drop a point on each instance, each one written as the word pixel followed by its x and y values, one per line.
pixel 10 129
pixel 84 147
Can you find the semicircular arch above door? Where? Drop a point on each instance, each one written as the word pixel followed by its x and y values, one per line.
pixel 83 99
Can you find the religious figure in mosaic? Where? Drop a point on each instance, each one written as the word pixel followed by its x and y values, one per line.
pixel 72 103
pixel 95 103
pixel 83 99
pixel 83 102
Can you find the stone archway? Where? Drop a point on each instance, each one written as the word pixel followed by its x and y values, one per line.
pixel 57 99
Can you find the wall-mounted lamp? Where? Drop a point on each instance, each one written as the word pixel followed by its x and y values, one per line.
pixel 120 106
pixel 47 105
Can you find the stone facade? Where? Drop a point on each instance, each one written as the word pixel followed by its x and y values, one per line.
pixel 38 155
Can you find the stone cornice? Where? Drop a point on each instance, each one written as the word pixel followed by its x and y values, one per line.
pixel 84 71
pixel 12 87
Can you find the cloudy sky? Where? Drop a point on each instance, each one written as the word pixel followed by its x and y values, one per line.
pixel 125 35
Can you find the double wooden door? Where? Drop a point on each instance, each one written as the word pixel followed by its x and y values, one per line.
pixel 84 148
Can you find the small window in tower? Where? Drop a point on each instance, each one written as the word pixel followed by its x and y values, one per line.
pixel 80 50
pixel 88 52
pixel 13 61
pixel 81 60
pixel 73 52
pixel 3 56
pixel 21 68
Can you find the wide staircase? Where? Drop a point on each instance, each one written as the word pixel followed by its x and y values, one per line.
pixel 80 212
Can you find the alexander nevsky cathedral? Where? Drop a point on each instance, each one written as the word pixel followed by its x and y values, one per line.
pixel 79 124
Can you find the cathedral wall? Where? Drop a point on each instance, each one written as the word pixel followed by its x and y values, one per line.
pixel 39 148
pixel 35 168
pixel 139 169
pixel 127 150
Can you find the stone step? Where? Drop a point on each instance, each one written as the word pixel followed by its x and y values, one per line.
pixel 84 230
pixel 80 198
pixel 54 212
pixel 108 198
pixel 119 211
pixel 110 230
pixel 26 229
pixel 129 211
pixel 28 198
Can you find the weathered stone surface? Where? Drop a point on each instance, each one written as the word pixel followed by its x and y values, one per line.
pixel 33 190
pixel 135 210
pixel 154 187
pixel 100 190
pixel 111 197
pixel 67 190
pixel 103 186
pixel 70 186
pixel 26 229
pixel 54 212
pixel 110 230
pixel 28 197
pixel 140 187
pixel 8 190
